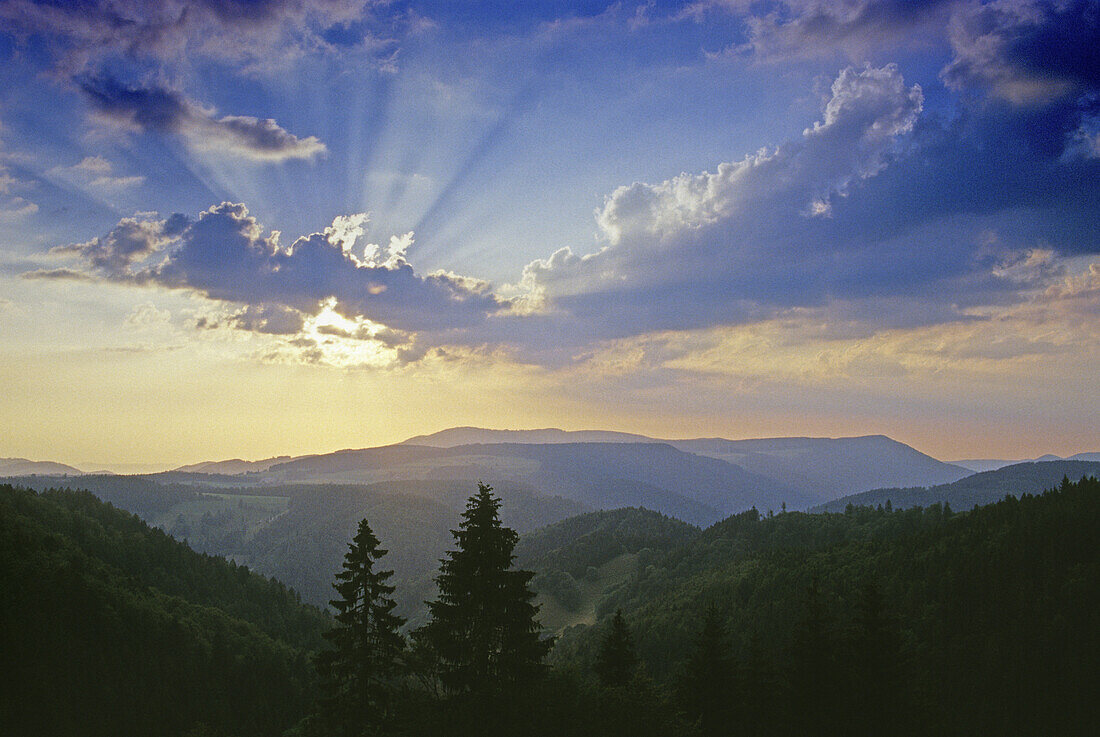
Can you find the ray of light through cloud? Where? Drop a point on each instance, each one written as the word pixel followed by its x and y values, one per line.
pixel 744 218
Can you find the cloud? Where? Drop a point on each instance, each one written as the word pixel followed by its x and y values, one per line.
pixel 166 111
pixel 720 246
pixel 856 28
pixel 13 208
pixel 133 239
pixel 147 315
pixel 874 217
pixel 1028 53
pixel 225 256
pixel 271 319
pixel 1037 64
pixel 83 34
pixel 95 172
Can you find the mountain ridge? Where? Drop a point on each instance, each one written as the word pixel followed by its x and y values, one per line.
pixel 26 467
pixel 977 489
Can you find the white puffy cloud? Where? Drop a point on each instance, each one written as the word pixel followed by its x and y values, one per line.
pixel 721 231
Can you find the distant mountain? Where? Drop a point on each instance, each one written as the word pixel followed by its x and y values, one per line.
pixel 233 466
pixel 981 488
pixel 693 488
pixel 818 468
pixel 992 464
pixel 825 468
pixel 24 467
pixel 483 436
pixel 981 465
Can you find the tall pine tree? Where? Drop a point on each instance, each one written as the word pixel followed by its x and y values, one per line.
pixel 707 684
pixel 361 672
pixel 616 661
pixel 483 628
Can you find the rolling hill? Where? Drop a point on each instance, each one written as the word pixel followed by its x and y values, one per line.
pixel 979 465
pixel 817 468
pixel 980 488
pixel 596 468
pixel 483 436
pixel 918 621
pixel 111 627
pixel 299 533
pixel 829 467
pixel 23 467
pixel 694 488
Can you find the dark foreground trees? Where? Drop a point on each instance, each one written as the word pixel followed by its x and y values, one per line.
pixel 706 687
pixel 868 623
pixel 616 662
pixel 109 627
pixel 361 673
pixel 483 637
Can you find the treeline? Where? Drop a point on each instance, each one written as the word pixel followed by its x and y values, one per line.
pixel 871 622
pixel 109 627
pixel 570 551
pixel 876 621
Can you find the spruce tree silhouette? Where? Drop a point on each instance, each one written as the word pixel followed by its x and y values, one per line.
pixel 360 674
pixel 707 687
pixel 483 631
pixel 616 661
pixel 875 652
pixel 813 677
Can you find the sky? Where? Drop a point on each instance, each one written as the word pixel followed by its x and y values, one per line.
pixel 244 228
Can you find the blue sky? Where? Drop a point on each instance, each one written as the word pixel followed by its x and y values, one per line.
pixel 715 217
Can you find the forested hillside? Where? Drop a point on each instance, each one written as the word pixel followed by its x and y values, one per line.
pixel 981 488
pixel 874 622
pixel 297 532
pixel 580 560
pixel 869 622
pixel 109 627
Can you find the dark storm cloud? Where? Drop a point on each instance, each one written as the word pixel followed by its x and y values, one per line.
pixel 1035 64
pixel 163 110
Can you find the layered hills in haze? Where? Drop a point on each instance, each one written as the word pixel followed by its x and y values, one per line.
pixel 291 517
pixel 974 490
pixel 24 467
